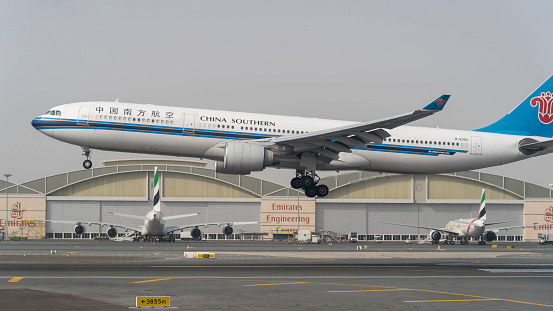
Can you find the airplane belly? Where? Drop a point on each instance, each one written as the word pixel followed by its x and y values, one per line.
pixel 154 228
pixel 176 145
pixel 432 164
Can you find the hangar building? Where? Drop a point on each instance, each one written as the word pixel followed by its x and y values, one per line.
pixel 358 202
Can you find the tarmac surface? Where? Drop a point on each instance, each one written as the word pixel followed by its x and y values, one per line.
pixel 251 275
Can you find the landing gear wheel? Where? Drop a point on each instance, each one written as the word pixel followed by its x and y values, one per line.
pixel 307 182
pixel 321 190
pixel 87 164
pixel 295 183
pixel 310 192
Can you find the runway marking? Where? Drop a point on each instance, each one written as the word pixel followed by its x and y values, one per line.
pixel 271 284
pixel 368 290
pixel 148 281
pixel 474 298
pixel 456 300
pixel 15 280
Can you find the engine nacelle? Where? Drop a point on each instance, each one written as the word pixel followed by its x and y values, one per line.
pixel 244 158
pixel 435 235
pixel 80 229
pixel 196 234
pixel 112 233
pixel 489 236
pixel 228 230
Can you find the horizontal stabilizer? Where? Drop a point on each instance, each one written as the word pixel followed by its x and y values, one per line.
pixel 180 216
pixel 530 146
pixel 130 216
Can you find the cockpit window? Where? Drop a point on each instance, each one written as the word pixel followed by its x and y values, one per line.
pixel 53 112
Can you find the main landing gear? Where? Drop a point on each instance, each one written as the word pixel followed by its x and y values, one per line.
pixel 308 182
pixel 87 163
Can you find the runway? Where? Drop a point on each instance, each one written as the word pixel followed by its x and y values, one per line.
pixel 89 275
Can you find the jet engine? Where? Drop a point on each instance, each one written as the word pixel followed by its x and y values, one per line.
pixel 228 230
pixel 489 236
pixel 244 158
pixel 435 235
pixel 112 232
pixel 80 229
pixel 196 234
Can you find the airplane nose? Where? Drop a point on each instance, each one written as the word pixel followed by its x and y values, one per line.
pixel 35 123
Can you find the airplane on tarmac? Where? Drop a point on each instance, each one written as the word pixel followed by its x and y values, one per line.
pixel 464 229
pixel 154 223
pixel 241 143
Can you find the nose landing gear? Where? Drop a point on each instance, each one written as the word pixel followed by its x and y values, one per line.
pixel 87 164
pixel 308 181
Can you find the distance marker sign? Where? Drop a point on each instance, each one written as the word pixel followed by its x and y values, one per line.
pixel 153 301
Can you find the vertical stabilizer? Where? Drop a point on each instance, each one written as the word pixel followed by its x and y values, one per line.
pixel 532 117
pixel 157 203
pixel 482 211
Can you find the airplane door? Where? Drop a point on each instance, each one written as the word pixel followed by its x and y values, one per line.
pixel 84 114
pixel 476 145
pixel 188 126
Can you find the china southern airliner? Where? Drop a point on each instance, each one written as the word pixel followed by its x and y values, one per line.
pixel 241 143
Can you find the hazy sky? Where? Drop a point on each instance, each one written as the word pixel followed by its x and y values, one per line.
pixel 349 60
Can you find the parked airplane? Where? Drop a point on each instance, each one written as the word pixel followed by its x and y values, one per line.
pixel 244 142
pixel 154 223
pixel 464 229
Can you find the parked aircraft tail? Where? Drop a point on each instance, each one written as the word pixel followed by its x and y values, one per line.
pixel 157 203
pixel 482 210
pixel 532 117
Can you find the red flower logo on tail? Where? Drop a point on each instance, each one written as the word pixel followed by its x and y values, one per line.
pixel 545 102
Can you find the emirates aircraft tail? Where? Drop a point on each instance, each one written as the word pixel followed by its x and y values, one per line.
pixel 157 203
pixel 482 210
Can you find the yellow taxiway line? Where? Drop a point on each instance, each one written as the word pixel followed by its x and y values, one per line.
pixel 272 284
pixel 148 281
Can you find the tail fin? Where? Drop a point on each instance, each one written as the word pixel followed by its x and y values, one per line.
pixel 157 203
pixel 482 210
pixel 532 117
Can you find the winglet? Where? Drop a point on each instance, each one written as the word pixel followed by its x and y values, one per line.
pixel 438 104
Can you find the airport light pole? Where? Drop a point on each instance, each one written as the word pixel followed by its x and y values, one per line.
pixel 6 219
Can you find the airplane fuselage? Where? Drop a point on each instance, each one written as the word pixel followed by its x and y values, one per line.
pixel 201 133
pixel 466 228
pixel 154 225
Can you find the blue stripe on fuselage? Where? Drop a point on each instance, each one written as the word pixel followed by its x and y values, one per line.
pixel 52 123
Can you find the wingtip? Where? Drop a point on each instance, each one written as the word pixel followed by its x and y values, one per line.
pixel 438 104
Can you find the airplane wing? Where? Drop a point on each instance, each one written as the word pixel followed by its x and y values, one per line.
pixel 90 223
pixel 145 218
pixel 421 227
pixel 515 227
pixel 230 223
pixel 328 143
pixel 497 223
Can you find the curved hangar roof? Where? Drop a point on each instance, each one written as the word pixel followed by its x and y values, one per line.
pixel 128 180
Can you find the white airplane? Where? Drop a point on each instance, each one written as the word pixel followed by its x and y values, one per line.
pixel 464 229
pixel 154 223
pixel 244 142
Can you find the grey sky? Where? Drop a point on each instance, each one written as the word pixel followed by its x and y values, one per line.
pixel 350 60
